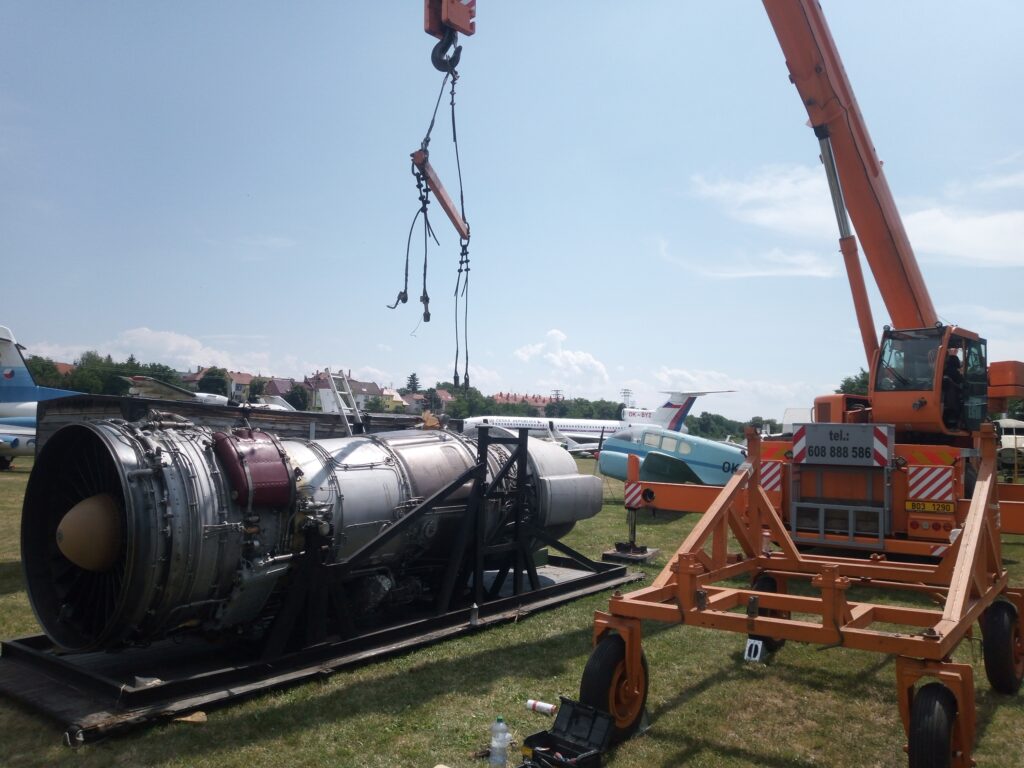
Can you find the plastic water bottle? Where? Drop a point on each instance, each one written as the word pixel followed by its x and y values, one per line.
pixel 499 742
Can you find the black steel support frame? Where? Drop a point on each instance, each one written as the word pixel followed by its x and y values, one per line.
pixel 91 700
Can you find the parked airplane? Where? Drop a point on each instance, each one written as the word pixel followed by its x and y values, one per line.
pixel 586 433
pixel 670 457
pixel 147 386
pixel 19 394
pixel 14 442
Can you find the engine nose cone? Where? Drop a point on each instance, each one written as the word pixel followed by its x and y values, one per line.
pixel 89 535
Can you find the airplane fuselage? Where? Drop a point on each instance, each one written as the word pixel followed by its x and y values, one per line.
pixel 708 462
pixel 576 429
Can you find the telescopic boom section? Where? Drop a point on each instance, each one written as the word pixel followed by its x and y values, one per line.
pixel 817 71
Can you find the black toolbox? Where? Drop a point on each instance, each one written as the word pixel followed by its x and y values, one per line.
pixel 577 739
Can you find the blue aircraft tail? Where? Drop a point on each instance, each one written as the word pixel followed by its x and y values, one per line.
pixel 16 382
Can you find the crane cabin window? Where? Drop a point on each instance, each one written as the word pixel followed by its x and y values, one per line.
pixel 907 360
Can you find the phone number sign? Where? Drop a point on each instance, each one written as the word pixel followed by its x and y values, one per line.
pixel 855 445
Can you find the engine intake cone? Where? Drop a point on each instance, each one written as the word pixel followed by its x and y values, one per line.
pixel 90 535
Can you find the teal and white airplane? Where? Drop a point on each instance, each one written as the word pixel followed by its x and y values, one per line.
pixel 667 456
pixel 19 394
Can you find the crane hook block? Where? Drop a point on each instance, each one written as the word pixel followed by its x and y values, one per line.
pixel 441 62
pixel 439 16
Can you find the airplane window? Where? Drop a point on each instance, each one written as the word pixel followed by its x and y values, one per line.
pixel 684 447
pixel 652 439
pixel 669 444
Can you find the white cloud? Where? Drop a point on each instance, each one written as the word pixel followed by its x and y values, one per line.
pixel 750 397
pixel 176 350
pixel 528 352
pixel 778 263
pixel 576 372
pixel 792 200
pixel 1002 182
pixel 979 239
pixel 987 314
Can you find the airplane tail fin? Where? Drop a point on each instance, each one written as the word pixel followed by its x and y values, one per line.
pixel 16 382
pixel 672 415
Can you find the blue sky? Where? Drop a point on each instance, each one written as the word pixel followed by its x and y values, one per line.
pixel 228 183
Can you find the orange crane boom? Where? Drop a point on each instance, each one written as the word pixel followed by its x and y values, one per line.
pixel 817 71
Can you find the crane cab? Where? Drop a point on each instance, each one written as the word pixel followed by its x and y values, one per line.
pixel 930 381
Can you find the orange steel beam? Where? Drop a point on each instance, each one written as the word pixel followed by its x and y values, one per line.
pixel 861 304
pixel 817 71
pixel 420 159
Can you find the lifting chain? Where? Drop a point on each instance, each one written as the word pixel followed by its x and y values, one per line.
pixel 448 64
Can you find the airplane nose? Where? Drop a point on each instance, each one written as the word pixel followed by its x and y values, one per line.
pixel 89 534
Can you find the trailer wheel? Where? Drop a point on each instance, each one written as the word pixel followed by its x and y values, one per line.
pixel 931 727
pixel 1002 647
pixel 767 583
pixel 604 686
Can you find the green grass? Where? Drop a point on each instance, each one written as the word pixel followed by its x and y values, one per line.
pixel 809 707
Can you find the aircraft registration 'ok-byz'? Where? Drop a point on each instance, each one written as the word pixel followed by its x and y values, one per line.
pixel 672 416
pixel 19 394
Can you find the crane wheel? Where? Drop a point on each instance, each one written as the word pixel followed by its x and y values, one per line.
pixel 767 583
pixel 604 686
pixel 1002 647
pixel 932 716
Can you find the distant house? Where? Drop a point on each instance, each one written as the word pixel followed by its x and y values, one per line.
pixel 323 398
pixel 445 398
pixel 279 387
pixel 393 402
pixel 414 402
pixel 363 392
pixel 238 383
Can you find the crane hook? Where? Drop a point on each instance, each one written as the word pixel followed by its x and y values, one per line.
pixel 441 62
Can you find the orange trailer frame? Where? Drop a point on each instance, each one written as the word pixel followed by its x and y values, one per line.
pixel 967 579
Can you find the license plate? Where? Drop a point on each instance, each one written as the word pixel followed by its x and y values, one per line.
pixel 930 506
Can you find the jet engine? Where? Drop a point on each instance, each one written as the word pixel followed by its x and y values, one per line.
pixel 134 531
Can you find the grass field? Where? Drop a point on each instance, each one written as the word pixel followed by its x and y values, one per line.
pixel 809 707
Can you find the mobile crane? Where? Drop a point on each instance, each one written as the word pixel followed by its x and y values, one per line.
pixel 909 469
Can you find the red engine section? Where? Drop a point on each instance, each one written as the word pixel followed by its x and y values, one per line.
pixel 255 465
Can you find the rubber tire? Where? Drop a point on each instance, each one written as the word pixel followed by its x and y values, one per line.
pixel 932 716
pixel 1001 647
pixel 766 583
pixel 604 673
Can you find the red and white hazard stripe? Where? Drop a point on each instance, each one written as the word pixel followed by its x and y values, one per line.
pixel 930 483
pixel 880 447
pixel 800 445
pixel 771 475
pixel 633 495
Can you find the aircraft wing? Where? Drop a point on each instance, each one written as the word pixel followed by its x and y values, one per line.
pixel 147 386
pixel 661 468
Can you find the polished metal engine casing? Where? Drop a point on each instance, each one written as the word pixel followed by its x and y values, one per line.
pixel 198 552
